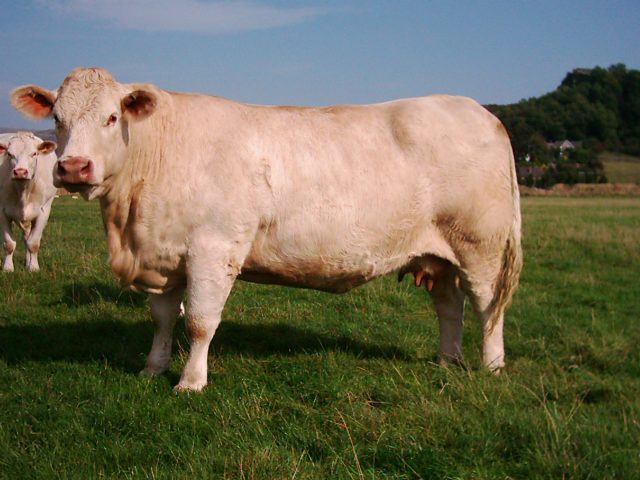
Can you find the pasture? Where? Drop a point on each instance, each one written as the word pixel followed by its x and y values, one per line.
pixel 309 385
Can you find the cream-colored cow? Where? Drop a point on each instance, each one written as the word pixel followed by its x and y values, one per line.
pixel 197 191
pixel 26 193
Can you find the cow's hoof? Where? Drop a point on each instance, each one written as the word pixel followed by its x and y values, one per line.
pixel 495 367
pixel 189 387
pixel 448 361
pixel 152 372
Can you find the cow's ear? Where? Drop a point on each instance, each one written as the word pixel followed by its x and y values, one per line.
pixel 46 147
pixel 33 101
pixel 139 104
pixel 3 148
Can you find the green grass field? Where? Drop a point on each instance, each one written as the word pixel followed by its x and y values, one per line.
pixel 309 385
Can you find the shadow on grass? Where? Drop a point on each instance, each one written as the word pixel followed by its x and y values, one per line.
pixel 124 346
pixel 79 294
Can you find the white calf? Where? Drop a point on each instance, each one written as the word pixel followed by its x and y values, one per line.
pixel 26 193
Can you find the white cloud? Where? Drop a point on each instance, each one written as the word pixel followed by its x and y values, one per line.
pixel 206 17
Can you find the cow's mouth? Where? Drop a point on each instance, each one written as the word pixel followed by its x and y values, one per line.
pixel 75 187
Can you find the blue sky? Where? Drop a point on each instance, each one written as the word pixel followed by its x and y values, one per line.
pixel 316 52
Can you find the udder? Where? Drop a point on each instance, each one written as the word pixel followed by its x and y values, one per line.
pixel 426 270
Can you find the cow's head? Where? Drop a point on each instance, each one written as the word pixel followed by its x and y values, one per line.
pixel 92 113
pixel 23 151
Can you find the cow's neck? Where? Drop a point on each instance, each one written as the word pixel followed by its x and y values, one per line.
pixel 119 213
pixel 25 191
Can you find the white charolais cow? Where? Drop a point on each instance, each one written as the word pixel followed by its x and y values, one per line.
pixel 197 191
pixel 26 193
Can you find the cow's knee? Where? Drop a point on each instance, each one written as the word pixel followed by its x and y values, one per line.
pixel 492 320
pixel 200 329
pixel 33 247
pixel 9 248
pixel 31 258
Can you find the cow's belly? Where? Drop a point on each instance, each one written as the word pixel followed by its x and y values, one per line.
pixel 337 271
pixel 339 281
pixel 337 257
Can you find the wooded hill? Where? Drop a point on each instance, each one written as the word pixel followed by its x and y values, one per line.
pixel 600 107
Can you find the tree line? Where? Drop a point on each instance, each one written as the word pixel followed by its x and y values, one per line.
pixel 597 109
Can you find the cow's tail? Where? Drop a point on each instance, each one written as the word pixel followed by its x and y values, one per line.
pixel 512 261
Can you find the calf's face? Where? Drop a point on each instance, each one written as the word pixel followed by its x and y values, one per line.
pixel 92 113
pixel 23 151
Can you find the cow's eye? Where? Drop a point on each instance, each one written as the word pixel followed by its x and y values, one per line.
pixel 113 118
pixel 56 120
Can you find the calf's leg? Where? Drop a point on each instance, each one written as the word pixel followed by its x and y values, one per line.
pixel 33 237
pixel 8 242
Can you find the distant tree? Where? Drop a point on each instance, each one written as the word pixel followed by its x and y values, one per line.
pixel 537 148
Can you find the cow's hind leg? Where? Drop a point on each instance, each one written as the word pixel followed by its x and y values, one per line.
pixel 164 311
pixel 448 299
pixel 481 284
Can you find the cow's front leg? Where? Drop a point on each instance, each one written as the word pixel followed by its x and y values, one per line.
pixel 211 270
pixel 9 243
pixel 33 238
pixel 164 311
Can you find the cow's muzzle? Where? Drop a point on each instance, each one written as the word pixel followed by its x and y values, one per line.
pixel 20 174
pixel 75 171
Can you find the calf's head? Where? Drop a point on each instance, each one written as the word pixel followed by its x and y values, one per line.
pixel 92 113
pixel 24 149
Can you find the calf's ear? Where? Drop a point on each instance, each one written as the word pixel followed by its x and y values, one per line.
pixel 33 101
pixel 3 148
pixel 46 147
pixel 139 104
